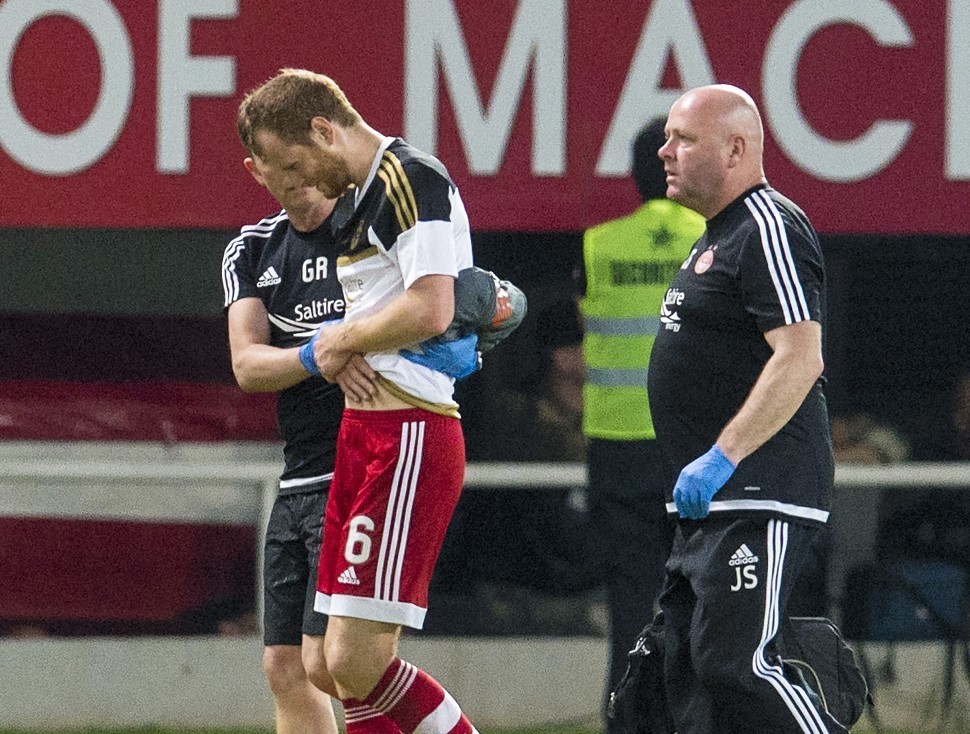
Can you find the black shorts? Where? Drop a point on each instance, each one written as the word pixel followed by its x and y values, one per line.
pixel 292 552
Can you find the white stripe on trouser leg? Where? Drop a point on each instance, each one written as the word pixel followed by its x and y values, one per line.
pixel 396 521
pixel 442 719
pixel 795 698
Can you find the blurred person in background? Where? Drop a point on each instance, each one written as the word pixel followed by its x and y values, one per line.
pixel 541 420
pixel 628 263
pixel 400 452
pixel 859 438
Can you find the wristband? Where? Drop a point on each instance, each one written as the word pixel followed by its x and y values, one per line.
pixel 306 357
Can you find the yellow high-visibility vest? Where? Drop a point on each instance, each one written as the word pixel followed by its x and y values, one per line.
pixel 629 262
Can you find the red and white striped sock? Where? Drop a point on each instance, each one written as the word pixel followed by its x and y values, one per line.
pixel 416 702
pixel 360 718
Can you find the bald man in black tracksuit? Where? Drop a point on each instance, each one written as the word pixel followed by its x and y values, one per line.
pixel 736 395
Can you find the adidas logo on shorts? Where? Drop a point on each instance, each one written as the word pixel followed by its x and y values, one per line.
pixel 349 577
pixel 743 556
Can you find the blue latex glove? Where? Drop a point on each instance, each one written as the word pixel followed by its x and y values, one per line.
pixel 306 351
pixel 457 358
pixel 699 481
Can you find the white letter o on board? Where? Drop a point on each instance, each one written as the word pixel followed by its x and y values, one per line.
pixel 67 153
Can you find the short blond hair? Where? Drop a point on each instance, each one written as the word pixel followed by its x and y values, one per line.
pixel 286 103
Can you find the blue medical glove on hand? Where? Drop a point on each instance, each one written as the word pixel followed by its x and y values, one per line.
pixel 457 358
pixel 306 351
pixel 699 481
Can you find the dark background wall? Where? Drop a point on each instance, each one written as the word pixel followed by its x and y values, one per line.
pixel 121 305
pixel 899 312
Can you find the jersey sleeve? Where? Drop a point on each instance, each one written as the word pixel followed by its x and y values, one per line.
pixel 238 276
pixel 426 219
pixel 780 269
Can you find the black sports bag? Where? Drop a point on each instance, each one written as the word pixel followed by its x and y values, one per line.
pixel 639 702
pixel 816 657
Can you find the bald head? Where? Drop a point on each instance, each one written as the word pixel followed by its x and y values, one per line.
pixel 732 111
pixel 714 149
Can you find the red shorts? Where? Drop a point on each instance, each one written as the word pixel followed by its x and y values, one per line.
pixel 398 477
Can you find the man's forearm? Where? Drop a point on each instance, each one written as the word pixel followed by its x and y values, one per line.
pixel 263 368
pixel 424 310
pixel 401 323
pixel 776 396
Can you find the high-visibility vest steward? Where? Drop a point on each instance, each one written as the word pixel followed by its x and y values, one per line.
pixel 629 262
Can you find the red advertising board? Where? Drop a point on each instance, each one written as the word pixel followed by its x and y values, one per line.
pixel 121 113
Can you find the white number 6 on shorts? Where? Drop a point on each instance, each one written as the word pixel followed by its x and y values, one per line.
pixel 358 545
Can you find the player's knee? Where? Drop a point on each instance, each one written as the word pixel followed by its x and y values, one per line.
pixel 343 665
pixel 315 664
pixel 353 671
pixel 283 666
pixel 321 679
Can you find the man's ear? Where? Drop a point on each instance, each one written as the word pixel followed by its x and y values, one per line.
pixel 323 127
pixel 736 151
pixel 250 165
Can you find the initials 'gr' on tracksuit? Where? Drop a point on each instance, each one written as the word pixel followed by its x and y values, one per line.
pixel 757 267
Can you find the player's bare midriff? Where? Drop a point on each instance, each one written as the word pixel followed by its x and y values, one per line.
pixel 382 400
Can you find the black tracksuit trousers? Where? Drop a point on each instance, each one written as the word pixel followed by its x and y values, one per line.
pixel 729 581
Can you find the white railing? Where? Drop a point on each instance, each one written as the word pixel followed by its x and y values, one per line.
pixel 223 483
pixel 216 681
